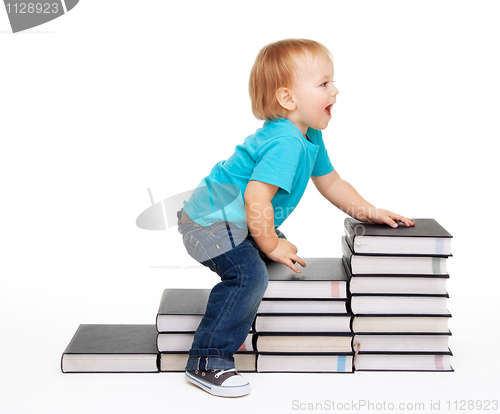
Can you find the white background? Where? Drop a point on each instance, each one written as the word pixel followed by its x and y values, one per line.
pixel 119 96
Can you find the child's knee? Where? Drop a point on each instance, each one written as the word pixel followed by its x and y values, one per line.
pixel 258 280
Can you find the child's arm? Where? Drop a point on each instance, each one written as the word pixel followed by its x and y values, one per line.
pixel 343 195
pixel 260 220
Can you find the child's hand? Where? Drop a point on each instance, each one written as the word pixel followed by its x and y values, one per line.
pixel 286 253
pixel 380 216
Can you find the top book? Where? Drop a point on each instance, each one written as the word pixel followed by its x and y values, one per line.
pixel 322 278
pixel 181 310
pixel 426 238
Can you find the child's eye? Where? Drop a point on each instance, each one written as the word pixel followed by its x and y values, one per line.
pixel 324 84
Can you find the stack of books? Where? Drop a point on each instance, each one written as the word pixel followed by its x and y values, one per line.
pixel 163 346
pixel 397 282
pixel 385 299
pixel 179 315
pixel 303 322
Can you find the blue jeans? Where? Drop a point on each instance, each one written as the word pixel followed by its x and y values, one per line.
pixel 233 302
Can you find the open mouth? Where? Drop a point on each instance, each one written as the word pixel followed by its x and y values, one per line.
pixel 328 109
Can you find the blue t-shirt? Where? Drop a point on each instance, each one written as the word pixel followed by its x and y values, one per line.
pixel 276 154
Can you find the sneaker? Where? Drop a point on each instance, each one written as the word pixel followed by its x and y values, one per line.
pixel 220 382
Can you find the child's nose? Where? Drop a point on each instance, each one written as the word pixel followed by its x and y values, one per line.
pixel 335 91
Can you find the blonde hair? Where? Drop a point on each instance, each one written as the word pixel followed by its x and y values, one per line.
pixel 275 68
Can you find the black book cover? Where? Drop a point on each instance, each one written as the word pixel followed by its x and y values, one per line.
pixel 317 269
pixel 181 309
pixel 448 333
pixel 184 302
pixel 424 228
pixel 308 334
pixel 113 340
pixel 307 315
pixel 409 295
pixel 403 315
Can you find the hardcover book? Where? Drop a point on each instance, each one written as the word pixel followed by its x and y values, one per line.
pixel 396 284
pixel 303 306
pixel 322 278
pixel 400 304
pixel 112 348
pixel 181 342
pixel 400 323
pixel 300 342
pixel 320 363
pixel 303 323
pixel 403 265
pixel 181 310
pixel 403 362
pixel 402 343
pixel 426 238
pixel 176 361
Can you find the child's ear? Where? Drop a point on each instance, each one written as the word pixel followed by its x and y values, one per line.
pixel 285 99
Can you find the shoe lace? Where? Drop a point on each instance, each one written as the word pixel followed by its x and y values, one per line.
pixel 224 371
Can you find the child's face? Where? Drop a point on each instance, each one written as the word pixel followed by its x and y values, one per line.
pixel 313 94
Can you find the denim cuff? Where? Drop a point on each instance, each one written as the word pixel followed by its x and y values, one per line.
pixel 208 359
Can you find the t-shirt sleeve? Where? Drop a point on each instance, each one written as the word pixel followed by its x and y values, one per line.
pixel 277 162
pixel 323 165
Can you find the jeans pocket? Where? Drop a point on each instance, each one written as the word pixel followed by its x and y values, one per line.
pixel 197 251
pixel 227 235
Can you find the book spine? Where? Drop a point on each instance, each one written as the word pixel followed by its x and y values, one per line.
pixel 347 256
pixel 349 231
pixel 69 347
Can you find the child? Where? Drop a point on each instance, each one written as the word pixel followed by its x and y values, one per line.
pixel 291 88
